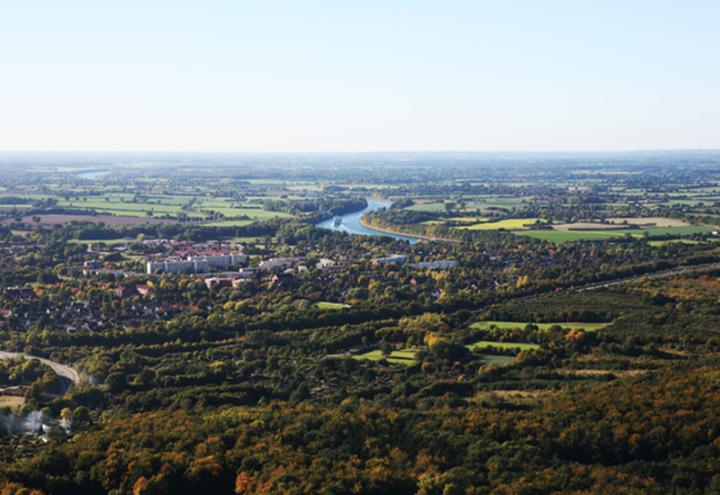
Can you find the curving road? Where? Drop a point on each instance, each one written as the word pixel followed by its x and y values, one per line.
pixel 60 369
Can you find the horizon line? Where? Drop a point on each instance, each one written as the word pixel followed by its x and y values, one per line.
pixel 400 151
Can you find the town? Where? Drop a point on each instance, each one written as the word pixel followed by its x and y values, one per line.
pixel 499 300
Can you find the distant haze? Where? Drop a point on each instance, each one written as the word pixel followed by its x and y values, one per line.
pixel 359 76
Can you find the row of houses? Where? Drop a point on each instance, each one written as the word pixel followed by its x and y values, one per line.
pixel 400 259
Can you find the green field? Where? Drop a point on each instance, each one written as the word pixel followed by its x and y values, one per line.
pixel 559 237
pixel 406 357
pixel 325 306
pixel 229 223
pixel 487 344
pixel 246 240
pixel 482 203
pixel 169 205
pixel 509 325
pixel 109 242
pixel 240 211
pixel 508 224
pixel 497 360
pixel 428 207
pixel 672 241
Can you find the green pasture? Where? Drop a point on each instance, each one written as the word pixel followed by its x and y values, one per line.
pixel 325 305
pixel 406 357
pixel 509 325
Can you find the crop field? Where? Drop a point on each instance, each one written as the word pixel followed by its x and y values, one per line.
pixel 482 203
pixel 325 305
pixel 593 226
pixel 488 344
pixel 111 220
pixel 161 205
pixel 428 207
pixel 497 360
pixel 470 219
pixel 654 221
pixel 109 242
pixel 509 224
pixel 672 241
pixel 229 223
pixel 590 327
pixel 406 357
pixel 254 213
pixel 123 204
pixel 559 237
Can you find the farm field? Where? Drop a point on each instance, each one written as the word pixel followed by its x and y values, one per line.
pixel 558 236
pixel 229 223
pixel 428 207
pixel 111 220
pixel 406 357
pixel 325 305
pixel 109 242
pixel 161 205
pixel 654 221
pixel 509 224
pixel 488 344
pixel 592 226
pixel 672 241
pixel 482 203
pixel 253 213
pixel 497 360
pixel 590 327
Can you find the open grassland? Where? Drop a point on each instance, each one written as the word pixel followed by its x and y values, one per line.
pixel 229 223
pixel 164 205
pixel 325 305
pixel 406 357
pixel 484 345
pixel 508 224
pixel 593 226
pixel 558 236
pixel 471 203
pixel 109 242
pixel 111 220
pixel 434 207
pixel 672 241
pixel 253 213
pixel 653 221
pixel 469 219
pixel 508 325
pixel 497 360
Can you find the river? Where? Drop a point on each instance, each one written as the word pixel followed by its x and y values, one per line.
pixel 351 222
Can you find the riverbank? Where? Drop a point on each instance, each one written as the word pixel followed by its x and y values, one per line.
pixel 364 223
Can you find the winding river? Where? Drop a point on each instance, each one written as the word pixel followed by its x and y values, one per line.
pixel 351 222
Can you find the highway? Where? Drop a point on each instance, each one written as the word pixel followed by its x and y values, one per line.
pixel 60 369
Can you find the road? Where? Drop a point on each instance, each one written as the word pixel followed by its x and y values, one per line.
pixel 60 369
pixel 652 275
pixel 678 270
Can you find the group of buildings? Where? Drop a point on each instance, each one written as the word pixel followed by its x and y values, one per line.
pixel 197 264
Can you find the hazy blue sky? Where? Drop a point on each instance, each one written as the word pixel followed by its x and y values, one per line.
pixel 364 75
